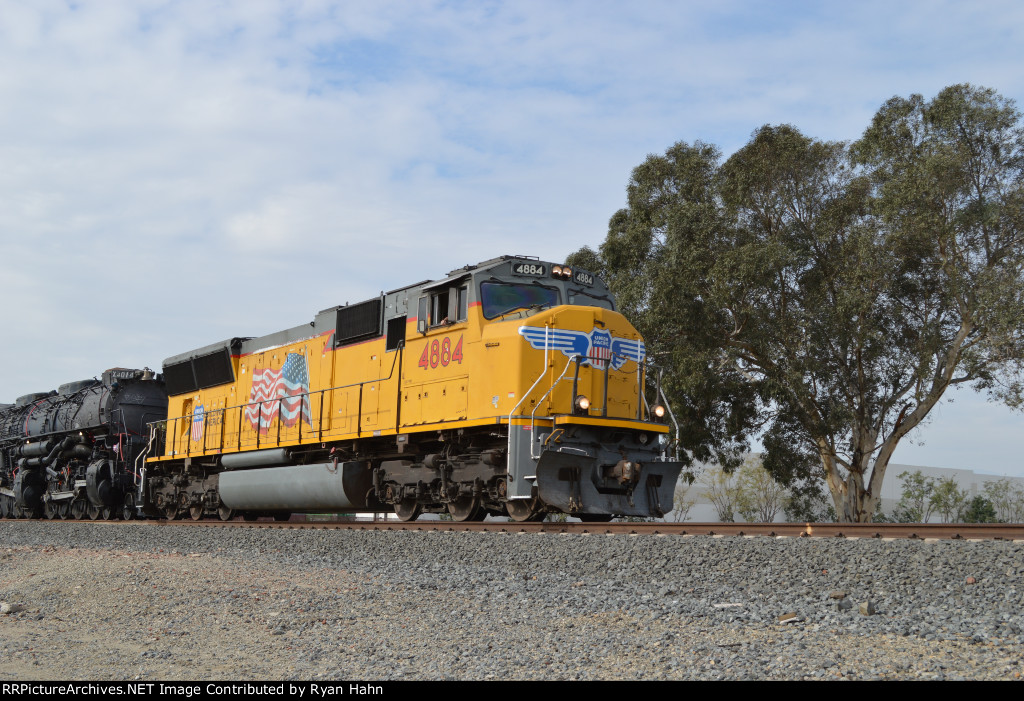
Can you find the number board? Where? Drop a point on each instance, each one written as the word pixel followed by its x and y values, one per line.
pixel 124 374
pixel 583 278
pixel 531 269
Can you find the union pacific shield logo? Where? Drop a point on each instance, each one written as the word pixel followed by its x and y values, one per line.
pixel 599 348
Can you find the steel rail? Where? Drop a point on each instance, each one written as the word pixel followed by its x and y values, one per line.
pixel 922 531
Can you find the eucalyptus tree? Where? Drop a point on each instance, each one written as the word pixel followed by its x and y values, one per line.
pixel 829 294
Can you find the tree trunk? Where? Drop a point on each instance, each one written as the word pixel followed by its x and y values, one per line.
pixel 853 502
pixel 858 503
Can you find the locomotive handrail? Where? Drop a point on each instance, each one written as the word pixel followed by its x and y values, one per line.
pixel 140 470
pixel 533 414
pixel 241 407
pixel 574 358
pixel 510 461
pixel 668 407
pixel 141 457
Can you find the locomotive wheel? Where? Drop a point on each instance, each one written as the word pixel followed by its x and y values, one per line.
pixel 107 513
pixel 50 510
pixel 4 513
pixel 64 509
pixel 94 512
pixel 128 507
pixel 225 513
pixel 170 511
pixel 408 510
pixel 522 510
pixel 466 508
pixel 196 512
pixel 79 507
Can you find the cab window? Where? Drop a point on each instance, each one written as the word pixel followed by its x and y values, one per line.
pixel 444 307
pixel 439 308
pixel 585 299
pixel 499 298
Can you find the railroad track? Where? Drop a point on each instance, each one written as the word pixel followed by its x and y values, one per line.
pixel 941 531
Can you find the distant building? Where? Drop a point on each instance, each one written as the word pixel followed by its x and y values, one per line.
pixel 892 489
pixel 974 483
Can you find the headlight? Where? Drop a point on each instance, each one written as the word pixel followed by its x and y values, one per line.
pixel 582 404
pixel 658 411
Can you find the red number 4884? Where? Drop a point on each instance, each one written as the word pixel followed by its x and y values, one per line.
pixel 440 352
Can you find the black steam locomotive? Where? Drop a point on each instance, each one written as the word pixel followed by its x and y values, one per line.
pixel 72 453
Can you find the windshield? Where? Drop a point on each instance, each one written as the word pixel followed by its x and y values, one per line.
pixel 585 299
pixel 499 298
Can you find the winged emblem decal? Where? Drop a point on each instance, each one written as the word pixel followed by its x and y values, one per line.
pixel 599 347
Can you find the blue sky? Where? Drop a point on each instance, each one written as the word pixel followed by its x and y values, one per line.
pixel 179 172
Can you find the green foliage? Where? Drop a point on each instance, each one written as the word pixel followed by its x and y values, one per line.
pixel 916 502
pixel 881 517
pixel 949 501
pixel 829 294
pixel 587 259
pixel 682 501
pixel 980 510
pixel 808 502
pixel 923 497
pixel 720 488
pixel 1007 498
pixel 751 492
pixel 759 497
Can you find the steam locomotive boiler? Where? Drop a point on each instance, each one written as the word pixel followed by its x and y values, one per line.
pixel 71 453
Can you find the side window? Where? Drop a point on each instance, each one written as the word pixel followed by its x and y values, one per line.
pixel 423 315
pixel 448 306
pixel 439 308
pixel 396 333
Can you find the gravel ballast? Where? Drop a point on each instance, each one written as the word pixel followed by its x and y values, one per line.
pixel 148 602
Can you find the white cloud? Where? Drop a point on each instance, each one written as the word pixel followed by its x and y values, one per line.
pixel 160 159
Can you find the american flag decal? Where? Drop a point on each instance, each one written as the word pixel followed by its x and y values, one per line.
pixel 197 424
pixel 280 394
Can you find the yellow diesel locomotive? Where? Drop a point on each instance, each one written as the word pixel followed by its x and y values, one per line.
pixel 508 387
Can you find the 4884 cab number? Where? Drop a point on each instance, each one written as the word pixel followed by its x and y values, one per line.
pixel 440 352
